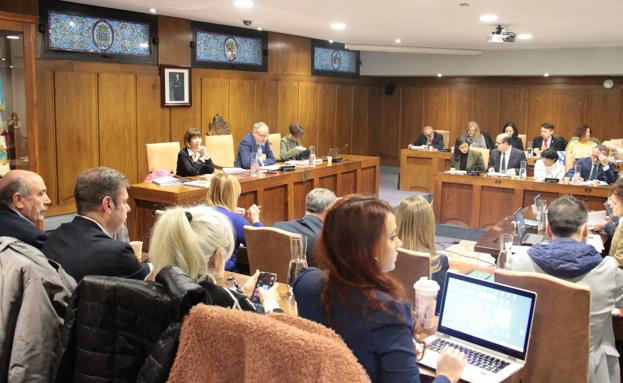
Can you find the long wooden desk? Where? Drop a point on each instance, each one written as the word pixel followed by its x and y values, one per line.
pixel 483 201
pixel 418 167
pixel 280 194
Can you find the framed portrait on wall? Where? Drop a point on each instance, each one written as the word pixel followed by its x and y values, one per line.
pixel 175 86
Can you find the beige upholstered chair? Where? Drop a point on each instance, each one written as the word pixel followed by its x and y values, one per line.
pixel 560 330
pixel 274 140
pixel 446 137
pixel 569 161
pixel 268 249
pixel 410 266
pixel 523 137
pixel 485 154
pixel 162 155
pixel 221 150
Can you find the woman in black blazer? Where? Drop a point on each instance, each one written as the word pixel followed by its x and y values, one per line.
pixel 510 129
pixel 193 160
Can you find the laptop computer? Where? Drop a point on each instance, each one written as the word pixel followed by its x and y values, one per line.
pixel 539 203
pixel 489 322
pixel 527 239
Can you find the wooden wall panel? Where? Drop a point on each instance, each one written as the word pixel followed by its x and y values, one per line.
pixel 289 54
pixel 242 107
pixel 266 104
pixel 117 123
pixel 308 116
pixel 412 115
pixel 360 130
pixel 459 109
pixel 153 123
pixel 77 144
pixel 214 100
pixel 186 118
pixel 288 105
pixel 344 118
pixel 327 112
pixel 486 110
pixel 436 108
pixel 47 133
pixel 389 132
pixel 374 119
pixel 173 46
pixel 513 107
pixel 541 107
pixel 571 107
pixel 603 112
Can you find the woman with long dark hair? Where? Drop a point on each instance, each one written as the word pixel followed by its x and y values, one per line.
pixel 354 294
pixel 465 159
pixel 511 129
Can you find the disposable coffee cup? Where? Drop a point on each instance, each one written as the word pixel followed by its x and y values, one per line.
pixel 329 160
pixel 425 302
pixel 137 246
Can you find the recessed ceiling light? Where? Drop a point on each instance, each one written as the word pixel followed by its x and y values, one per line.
pixel 3 59
pixel 546 75
pixel 488 18
pixel 152 10
pixel 397 41
pixel 338 26
pixel 330 41
pixel 524 36
pixel 12 37
pixel 243 4
pixel 439 75
pixel 259 28
pixel 10 66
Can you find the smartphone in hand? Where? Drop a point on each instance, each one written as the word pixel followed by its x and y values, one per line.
pixel 264 281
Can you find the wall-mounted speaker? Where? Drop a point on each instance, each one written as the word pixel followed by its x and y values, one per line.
pixel 390 88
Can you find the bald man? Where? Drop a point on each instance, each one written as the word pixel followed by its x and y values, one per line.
pixel 429 137
pixel 23 201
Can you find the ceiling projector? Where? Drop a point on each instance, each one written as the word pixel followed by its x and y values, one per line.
pixel 501 35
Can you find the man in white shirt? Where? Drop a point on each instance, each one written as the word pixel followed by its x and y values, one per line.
pixel 548 166
pixel 505 157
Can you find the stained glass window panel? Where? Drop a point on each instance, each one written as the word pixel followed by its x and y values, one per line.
pixel 76 33
pixel 228 49
pixel 335 60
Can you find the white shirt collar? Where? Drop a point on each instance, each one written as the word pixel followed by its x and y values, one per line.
pixel 193 156
pixel 97 223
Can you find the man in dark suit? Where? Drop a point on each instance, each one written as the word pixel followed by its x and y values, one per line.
pixel 317 202
pixel 23 202
pixel 255 142
pixel 85 245
pixel 595 167
pixel 505 157
pixel 430 137
pixel 548 140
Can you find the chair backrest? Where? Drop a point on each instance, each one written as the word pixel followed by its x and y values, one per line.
pixel 268 249
pixel 274 140
pixel 484 152
pixel 221 149
pixel 446 137
pixel 410 266
pixel 569 161
pixel 560 330
pixel 162 155
pixel 523 137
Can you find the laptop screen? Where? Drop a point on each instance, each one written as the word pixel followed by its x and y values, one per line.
pixel 521 224
pixel 488 314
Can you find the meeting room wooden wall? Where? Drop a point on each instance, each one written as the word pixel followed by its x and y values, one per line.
pixel 449 103
pixel 94 113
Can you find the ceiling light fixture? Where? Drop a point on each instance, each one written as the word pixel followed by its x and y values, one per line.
pixel 259 28
pixel 152 10
pixel 243 4
pixel 439 75
pixel 12 37
pixel 3 59
pixel 488 18
pixel 524 36
pixel 338 26
pixel 397 41
pixel 546 75
pixel 330 41
pixel 431 51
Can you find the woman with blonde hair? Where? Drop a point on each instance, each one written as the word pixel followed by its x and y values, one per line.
pixel 199 240
pixel 416 227
pixel 477 138
pixel 223 195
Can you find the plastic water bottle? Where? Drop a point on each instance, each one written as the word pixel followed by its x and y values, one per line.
pixel 312 156
pixel 255 166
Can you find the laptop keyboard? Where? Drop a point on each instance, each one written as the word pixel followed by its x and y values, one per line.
pixel 475 358
pixel 532 239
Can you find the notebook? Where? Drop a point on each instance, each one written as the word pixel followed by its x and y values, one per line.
pixel 488 321
pixel 527 239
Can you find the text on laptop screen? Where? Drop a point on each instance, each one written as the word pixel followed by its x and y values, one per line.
pixel 491 314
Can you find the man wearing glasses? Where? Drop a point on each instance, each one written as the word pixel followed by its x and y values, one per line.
pixel 505 157
pixel 256 143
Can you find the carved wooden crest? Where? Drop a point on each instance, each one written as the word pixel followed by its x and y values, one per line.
pixel 218 126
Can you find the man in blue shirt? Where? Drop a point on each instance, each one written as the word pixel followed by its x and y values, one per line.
pixel 255 142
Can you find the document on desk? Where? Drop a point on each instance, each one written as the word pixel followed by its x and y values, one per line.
pixel 199 183
pixel 270 167
pixel 594 217
pixel 234 170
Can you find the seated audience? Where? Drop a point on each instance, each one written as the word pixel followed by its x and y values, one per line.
pixel 317 202
pixel 505 157
pixel 595 167
pixel 355 295
pixel 429 137
pixel 223 195
pixel 290 146
pixel 547 140
pixel 193 160
pixel 616 202
pixel 255 143
pixel 567 256
pixel 465 159
pixel 85 245
pixel 582 145
pixel 199 240
pixel 548 166
pixel 511 129
pixel 416 229
pixel 477 138
pixel 23 202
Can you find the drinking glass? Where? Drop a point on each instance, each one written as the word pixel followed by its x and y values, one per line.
pixel 530 150
pixel 491 170
pixel 523 171
pixel 298 260
pixel 506 241
pixel 254 164
pixel 312 155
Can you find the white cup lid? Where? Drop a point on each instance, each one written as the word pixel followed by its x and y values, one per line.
pixel 426 286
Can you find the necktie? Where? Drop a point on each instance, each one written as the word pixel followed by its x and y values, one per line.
pixel 593 174
pixel 544 144
pixel 503 162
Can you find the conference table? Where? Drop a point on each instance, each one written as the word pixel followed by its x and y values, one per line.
pixel 281 195
pixel 482 201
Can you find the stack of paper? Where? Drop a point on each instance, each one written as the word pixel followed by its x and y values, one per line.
pixel 166 180
pixel 234 170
